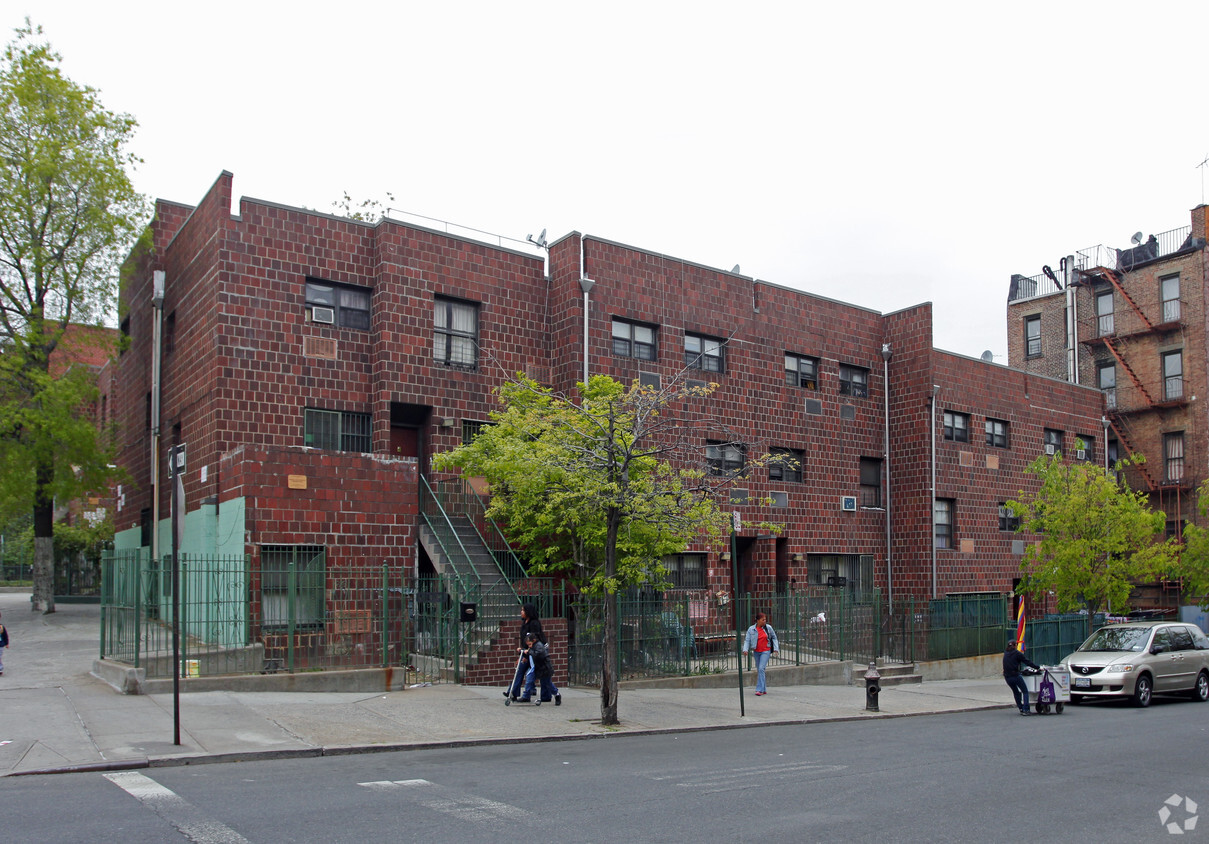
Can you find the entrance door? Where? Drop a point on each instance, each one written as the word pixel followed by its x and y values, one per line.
pixel 404 441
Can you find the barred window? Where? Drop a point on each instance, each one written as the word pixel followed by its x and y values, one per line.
pixel 471 429
pixel 686 571
pixel 292 586
pixel 336 430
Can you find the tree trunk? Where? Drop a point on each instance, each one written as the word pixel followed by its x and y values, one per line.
pixel 44 552
pixel 608 671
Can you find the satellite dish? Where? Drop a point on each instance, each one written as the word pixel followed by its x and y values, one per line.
pixel 735 269
pixel 1137 238
pixel 988 356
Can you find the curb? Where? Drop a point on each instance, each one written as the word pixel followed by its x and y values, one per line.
pixel 452 744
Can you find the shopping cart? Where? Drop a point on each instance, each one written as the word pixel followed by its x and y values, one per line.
pixel 1051 687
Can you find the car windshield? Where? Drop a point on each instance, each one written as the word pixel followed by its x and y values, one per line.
pixel 1117 639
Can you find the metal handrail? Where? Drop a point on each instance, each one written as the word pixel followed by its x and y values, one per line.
pixel 427 495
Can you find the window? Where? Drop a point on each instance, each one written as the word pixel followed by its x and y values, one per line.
pixel 455 340
pixel 854 381
pixel 871 482
pixel 291 586
pixel 786 465
pixel 1169 294
pixel 1106 378
pixel 1114 452
pixel 336 430
pixel 802 371
pixel 942 520
pixel 779 499
pixel 957 426
pixel 1104 312
pixel 632 340
pixel 1007 521
pixel 1085 447
pixel 997 433
pixel 350 305
pixel 1173 456
pixel 1032 336
pixel 686 571
pixel 725 458
pixel 703 353
pixel 471 429
pixel 651 380
pixel 1173 376
pixel 1053 441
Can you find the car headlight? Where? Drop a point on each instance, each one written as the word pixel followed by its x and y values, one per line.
pixel 1119 668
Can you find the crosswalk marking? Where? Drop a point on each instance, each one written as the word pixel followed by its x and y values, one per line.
pixel 175 809
pixel 467 807
pixel 737 779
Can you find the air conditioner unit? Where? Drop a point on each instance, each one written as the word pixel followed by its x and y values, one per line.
pixel 1080 454
pixel 848 503
pixel 327 315
pixel 1050 448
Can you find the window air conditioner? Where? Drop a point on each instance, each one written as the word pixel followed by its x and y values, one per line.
pixel 848 503
pixel 1080 454
pixel 1049 448
pixel 327 315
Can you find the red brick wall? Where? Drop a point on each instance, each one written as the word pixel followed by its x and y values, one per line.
pixel 496 665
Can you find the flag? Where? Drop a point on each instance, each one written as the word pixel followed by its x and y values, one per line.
pixel 1020 627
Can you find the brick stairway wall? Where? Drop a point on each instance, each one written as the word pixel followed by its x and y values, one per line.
pixel 496 666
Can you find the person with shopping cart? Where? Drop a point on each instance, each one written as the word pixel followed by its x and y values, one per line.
pixel 1012 660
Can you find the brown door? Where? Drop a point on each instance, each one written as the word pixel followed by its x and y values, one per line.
pixel 404 442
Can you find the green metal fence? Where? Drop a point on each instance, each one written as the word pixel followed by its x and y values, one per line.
pixel 1047 640
pixel 965 625
pixel 293 614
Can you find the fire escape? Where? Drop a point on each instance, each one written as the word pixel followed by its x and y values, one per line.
pixel 1118 345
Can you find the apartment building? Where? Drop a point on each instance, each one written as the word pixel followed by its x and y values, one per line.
pixel 1131 323
pixel 311 365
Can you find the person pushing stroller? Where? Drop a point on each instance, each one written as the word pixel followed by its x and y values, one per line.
pixel 543 671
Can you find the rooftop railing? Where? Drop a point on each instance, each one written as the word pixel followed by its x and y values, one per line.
pixel 1120 260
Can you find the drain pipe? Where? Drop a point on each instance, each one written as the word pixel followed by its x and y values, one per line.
pixel 932 517
pixel 886 354
pixel 585 284
pixel 158 278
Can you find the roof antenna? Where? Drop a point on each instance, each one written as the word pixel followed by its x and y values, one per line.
pixel 539 241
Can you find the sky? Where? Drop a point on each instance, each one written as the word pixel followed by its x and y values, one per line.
pixel 882 153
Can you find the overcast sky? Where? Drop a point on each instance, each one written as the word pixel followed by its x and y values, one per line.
pixel 883 154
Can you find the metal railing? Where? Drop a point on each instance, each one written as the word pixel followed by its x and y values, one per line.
pixel 457 497
pixel 446 534
pixel 1121 260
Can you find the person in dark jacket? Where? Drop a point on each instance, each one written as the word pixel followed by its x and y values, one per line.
pixel 539 658
pixel 530 623
pixel 1012 660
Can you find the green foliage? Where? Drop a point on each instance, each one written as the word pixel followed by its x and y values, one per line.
pixel 367 210
pixel 1097 536
pixel 1193 566
pixel 68 213
pixel 589 488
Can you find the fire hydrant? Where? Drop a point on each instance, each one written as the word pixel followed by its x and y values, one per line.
pixel 872 688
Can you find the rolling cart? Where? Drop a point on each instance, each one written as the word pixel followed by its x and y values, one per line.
pixel 1051 687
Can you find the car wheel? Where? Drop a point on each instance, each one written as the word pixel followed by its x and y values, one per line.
pixel 1201 690
pixel 1142 689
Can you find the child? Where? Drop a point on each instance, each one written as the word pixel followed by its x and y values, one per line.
pixel 3 645
pixel 542 670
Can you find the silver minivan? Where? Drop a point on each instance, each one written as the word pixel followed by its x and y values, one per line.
pixel 1140 659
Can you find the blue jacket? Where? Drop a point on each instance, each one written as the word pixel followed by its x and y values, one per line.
pixel 753 636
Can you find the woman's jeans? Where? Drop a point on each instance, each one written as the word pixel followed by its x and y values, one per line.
pixel 761 664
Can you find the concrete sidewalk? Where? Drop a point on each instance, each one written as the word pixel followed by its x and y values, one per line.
pixel 55 716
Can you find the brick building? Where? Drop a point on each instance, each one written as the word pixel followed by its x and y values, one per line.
pixel 1131 323
pixel 312 364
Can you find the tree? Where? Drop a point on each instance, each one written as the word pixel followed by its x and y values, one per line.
pixel 1193 565
pixel 68 214
pixel 1097 536
pixel 603 488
